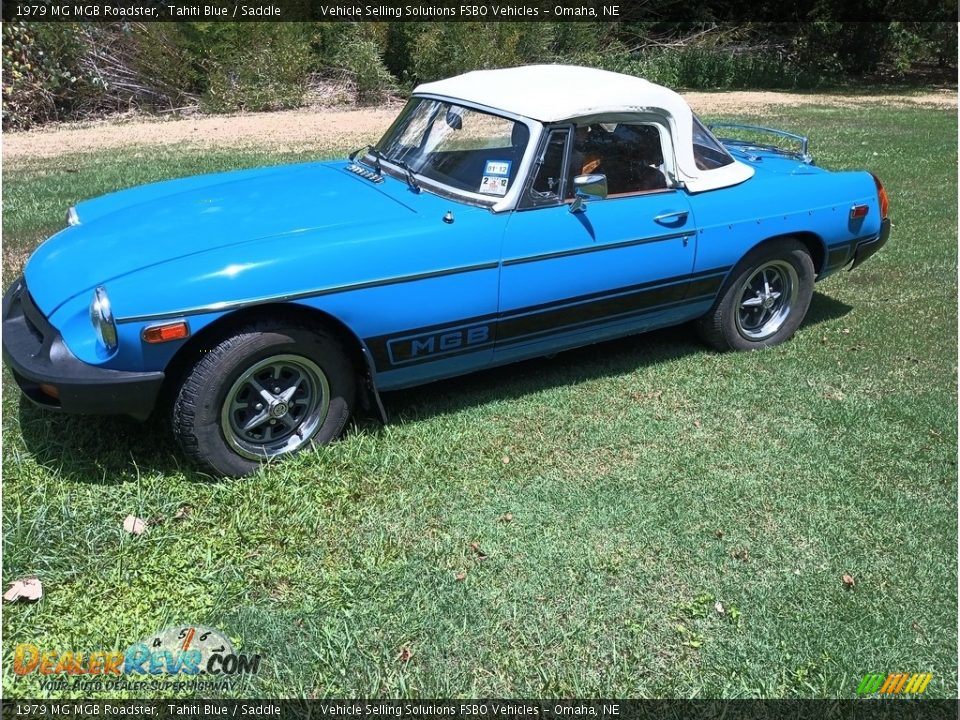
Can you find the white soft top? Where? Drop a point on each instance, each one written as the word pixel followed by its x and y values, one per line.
pixel 555 93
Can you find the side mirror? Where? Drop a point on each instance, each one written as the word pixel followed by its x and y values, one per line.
pixel 588 187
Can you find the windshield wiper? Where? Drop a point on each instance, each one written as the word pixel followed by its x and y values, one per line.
pixel 377 157
pixel 411 178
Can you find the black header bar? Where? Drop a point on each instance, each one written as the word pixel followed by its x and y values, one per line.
pixel 467 11
pixel 863 709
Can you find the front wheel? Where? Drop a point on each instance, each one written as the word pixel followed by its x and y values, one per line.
pixel 765 300
pixel 264 393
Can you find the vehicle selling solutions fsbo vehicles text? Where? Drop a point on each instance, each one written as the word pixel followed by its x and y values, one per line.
pixel 415 11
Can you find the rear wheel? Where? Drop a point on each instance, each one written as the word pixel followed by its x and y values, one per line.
pixel 765 299
pixel 264 393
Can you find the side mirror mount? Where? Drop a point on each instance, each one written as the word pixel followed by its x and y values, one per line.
pixel 588 187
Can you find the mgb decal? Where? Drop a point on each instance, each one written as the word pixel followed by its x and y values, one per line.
pixel 440 342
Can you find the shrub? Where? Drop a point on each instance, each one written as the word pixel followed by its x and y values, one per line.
pixel 40 72
pixel 445 49
pixel 255 66
pixel 704 67
pixel 360 60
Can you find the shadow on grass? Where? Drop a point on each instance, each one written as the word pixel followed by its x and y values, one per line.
pixel 113 450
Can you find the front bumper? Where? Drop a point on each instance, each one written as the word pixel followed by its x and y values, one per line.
pixel 869 247
pixel 36 355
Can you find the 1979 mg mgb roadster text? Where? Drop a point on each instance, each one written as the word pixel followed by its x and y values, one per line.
pixel 505 214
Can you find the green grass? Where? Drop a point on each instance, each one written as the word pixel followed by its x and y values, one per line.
pixel 647 479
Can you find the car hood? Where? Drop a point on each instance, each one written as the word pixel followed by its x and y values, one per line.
pixel 130 230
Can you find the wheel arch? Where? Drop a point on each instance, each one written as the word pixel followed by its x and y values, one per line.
pixel 214 332
pixel 813 242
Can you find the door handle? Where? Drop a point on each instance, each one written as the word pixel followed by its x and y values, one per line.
pixel 672 217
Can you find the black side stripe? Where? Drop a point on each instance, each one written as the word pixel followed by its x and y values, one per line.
pixel 220 307
pixel 603 309
pixel 620 316
pixel 839 254
pixel 837 257
pixel 529 322
pixel 596 248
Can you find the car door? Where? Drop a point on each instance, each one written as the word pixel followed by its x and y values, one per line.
pixel 614 267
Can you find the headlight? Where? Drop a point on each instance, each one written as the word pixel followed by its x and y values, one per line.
pixel 102 318
pixel 72 217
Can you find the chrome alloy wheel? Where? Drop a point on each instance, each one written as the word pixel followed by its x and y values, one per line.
pixel 275 406
pixel 766 300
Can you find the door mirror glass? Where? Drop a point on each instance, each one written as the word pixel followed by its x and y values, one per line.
pixel 591 187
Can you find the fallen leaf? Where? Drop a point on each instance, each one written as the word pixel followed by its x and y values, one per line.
pixel 134 525
pixel 696 423
pixel 506 517
pixel 182 513
pixel 796 571
pixel 741 554
pixel 28 588
pixel 460 576
pixel 405 655
pixel 719 607
pixel 848 580
pixel 719 533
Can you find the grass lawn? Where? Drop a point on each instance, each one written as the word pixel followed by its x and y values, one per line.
pixel 647 479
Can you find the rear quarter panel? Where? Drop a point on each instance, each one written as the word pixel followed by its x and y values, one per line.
pixel 731 221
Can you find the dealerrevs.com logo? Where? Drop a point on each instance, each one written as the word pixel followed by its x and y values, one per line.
pixel 180 651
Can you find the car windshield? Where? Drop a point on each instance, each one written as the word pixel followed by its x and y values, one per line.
pixel 463 149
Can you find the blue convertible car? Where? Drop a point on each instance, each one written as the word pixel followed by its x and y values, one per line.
pixel 505 214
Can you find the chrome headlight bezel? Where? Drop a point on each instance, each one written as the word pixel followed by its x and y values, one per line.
pixel 101 316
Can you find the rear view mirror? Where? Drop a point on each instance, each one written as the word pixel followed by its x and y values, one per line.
pixel 454 120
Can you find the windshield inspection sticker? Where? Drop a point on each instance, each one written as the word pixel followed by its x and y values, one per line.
pixel 496 175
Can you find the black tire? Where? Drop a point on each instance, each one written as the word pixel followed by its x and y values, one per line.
pixel 211 434
pixel 731 326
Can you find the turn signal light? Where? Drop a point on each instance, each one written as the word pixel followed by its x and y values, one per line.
pixel 859 211
pixel 50 390
pixel 882 196
pixel 166 333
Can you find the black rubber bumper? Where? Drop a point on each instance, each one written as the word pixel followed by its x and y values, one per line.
pixel 36 355
pixel 866 249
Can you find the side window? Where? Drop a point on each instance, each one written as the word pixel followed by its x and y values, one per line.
pixel 707 152
pixel 630 155
pixel 547 181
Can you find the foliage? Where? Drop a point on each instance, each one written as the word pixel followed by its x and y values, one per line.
pixel 704 67
pixel 445 49
pixel 40 71
pixel 71 70
pixel 351 54
pixel 255 66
